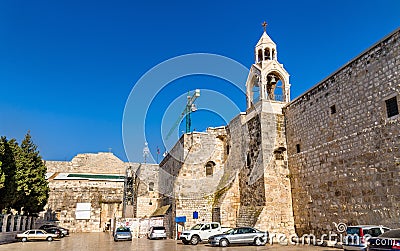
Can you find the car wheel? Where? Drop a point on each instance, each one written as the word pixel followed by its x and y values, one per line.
pixel 224 243
pixel 24 239
pixel 194 240
pixel 49 238
pixel 258 241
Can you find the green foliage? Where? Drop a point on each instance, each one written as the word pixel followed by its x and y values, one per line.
pixel 25 187
pixel 8 168
pixel 2 177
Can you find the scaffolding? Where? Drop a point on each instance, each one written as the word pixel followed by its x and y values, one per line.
pixel 129 201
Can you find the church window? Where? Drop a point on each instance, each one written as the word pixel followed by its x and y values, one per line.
pixel 392 108
pixel 210 168
pixel 298 148
pixel 151 186
pixel 279 153
pixel 260 55
pixel 333 109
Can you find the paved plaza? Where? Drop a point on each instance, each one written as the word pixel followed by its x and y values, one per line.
pixel 104 242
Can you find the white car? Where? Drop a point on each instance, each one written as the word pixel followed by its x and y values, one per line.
pixel 200 232
pixel 36 234
pixel 157 233
pixel 357 236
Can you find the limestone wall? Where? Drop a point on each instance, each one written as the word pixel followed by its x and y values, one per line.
pixel 103 162
pixel 147 190
pixel 105 195
pixel 343 149
pixel 258 154
pixel 105 198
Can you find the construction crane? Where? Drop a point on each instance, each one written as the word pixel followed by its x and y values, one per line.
pixel 190 107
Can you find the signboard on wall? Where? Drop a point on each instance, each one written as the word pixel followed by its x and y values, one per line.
pixel 82 211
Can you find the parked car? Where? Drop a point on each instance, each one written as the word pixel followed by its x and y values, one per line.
pixel 158 232
pixel 64 231
pixel 36 234
pixel 239 235
pixel 357 236
pixel 123 233
pixel 201 232
pixel 388 241
pixel 55 230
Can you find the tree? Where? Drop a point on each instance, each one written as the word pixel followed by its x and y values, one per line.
pixel 32 189
pixel 2 177
pixel 8 169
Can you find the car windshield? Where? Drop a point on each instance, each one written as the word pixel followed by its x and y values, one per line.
pixel 159 228
pixel 353 230
pixel 391 234
pixel 123 229
pixel 197 227
pixel 230 231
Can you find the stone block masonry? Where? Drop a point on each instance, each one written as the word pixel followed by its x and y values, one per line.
pixel 344 147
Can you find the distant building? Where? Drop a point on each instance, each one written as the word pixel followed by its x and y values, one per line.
pixel 87 193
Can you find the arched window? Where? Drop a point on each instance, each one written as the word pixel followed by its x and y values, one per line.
pixel 151 186
pixel 260 55
pixel 267 54
pixel 210 168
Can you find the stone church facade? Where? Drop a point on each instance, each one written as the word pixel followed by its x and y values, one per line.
pixel 343 139
pixel 238 174
pixel 331 155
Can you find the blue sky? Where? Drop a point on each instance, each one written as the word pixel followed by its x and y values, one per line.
pixel 67 67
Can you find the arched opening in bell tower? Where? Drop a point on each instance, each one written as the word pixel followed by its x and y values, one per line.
pixel 259 55
pixel 274 87
pixel 267 54
pixel 255 91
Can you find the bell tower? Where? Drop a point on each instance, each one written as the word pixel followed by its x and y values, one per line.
pixel 267 80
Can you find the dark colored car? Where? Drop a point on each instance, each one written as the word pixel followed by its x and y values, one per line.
pixel 55 230
pixel 239 235
pixel 388 241
pixel 123 233
pixel 64 231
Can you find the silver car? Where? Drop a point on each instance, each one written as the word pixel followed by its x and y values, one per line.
pixel 239 235
pixel 123 233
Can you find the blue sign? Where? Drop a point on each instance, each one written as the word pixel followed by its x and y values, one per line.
pixel 195 215
pixel 180 219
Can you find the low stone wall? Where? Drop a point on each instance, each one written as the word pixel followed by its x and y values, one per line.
pixel 11 225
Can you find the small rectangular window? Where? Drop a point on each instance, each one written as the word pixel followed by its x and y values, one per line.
pixel 298 148
pixel 392 108
pixel 333 109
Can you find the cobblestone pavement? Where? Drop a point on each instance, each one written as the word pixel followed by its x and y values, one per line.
pixel 104 242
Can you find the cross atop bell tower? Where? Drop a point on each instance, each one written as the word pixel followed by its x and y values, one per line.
pixel 265 48
pixel 267 80
pixel 264 24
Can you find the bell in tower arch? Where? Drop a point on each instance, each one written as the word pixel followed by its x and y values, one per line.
pixel 271 85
